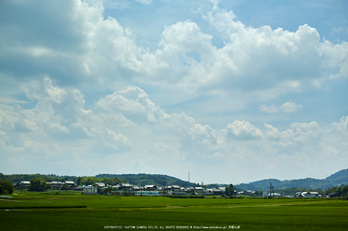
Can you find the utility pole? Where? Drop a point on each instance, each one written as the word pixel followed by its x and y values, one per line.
pixel 164 188
pixel 270 189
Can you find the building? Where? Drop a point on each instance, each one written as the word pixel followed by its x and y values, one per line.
pixel 274 195
pixel 150 187
pixel 100 184
pixel 333 195
pixel 24 183
pixel 199 190
pixel 70 183
pixel 78 188
pixel 311 195
pixel 90 190
pixel 55 184
pixel 307 195
pixel 124 186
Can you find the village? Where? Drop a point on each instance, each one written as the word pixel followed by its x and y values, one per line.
pixel 127 189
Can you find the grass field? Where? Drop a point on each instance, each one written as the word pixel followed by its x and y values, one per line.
pixel 45 211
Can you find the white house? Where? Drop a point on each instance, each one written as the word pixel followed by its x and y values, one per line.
pixel 199 190
pixel 310 194
pixel 307 194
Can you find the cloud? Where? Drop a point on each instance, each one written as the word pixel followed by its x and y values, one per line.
pixel 75 45
pixel 126 126
pixel 72 44
pixel 341 126
pixel 116 4
pixel 243 130
pixel 337 55
pixel 271 62
pixel 271 132
pixel 58 118
pixel 144 1
pixel 287 107
pixel 269 109
pixel 81 93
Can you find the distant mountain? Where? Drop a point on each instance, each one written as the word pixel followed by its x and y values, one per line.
pixel 338 178
pixel 148 179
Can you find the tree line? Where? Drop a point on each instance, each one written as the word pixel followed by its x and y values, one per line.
pixel 85 180
pixel 26 177
pixel 340 191
pixel 142 179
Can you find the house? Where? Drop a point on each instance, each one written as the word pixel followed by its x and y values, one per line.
pixel 247 192
pixel 100 184
pixel 124 186
pixel 298 194
pixel 209 191
pixel 89 190
pixel 150 187
pixel 167 190
pixel 181 193
pixel 137 188
pixel 24 183
pixel 190 189
pixel 175 188
pixel 310 194
pixel 55 184
pixel 199 190
pixel 274 195
pixel 307 195
pixel 217 191
pixel 78 188
pixel 332 195
pixel 70 183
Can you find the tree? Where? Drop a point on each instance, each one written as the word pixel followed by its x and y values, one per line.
pixel 37 184
pixel 65 187
pixel 108 181
pixel 108 190
pixel 6 187
pixel 229 190
pixel 88 180
pixel 259 193
pixel 119 181
pixel 78 181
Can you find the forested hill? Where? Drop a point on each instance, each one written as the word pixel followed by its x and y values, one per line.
pixel 338 178
pixel 148 179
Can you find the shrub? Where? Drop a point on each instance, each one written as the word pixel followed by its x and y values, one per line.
pixel 37 184
pixel 6 187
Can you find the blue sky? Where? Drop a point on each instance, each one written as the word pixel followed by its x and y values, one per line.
pixel 230 91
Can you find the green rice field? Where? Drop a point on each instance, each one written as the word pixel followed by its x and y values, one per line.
pixel 70 211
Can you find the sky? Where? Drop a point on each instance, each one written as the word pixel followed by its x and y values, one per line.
pixel 228 91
